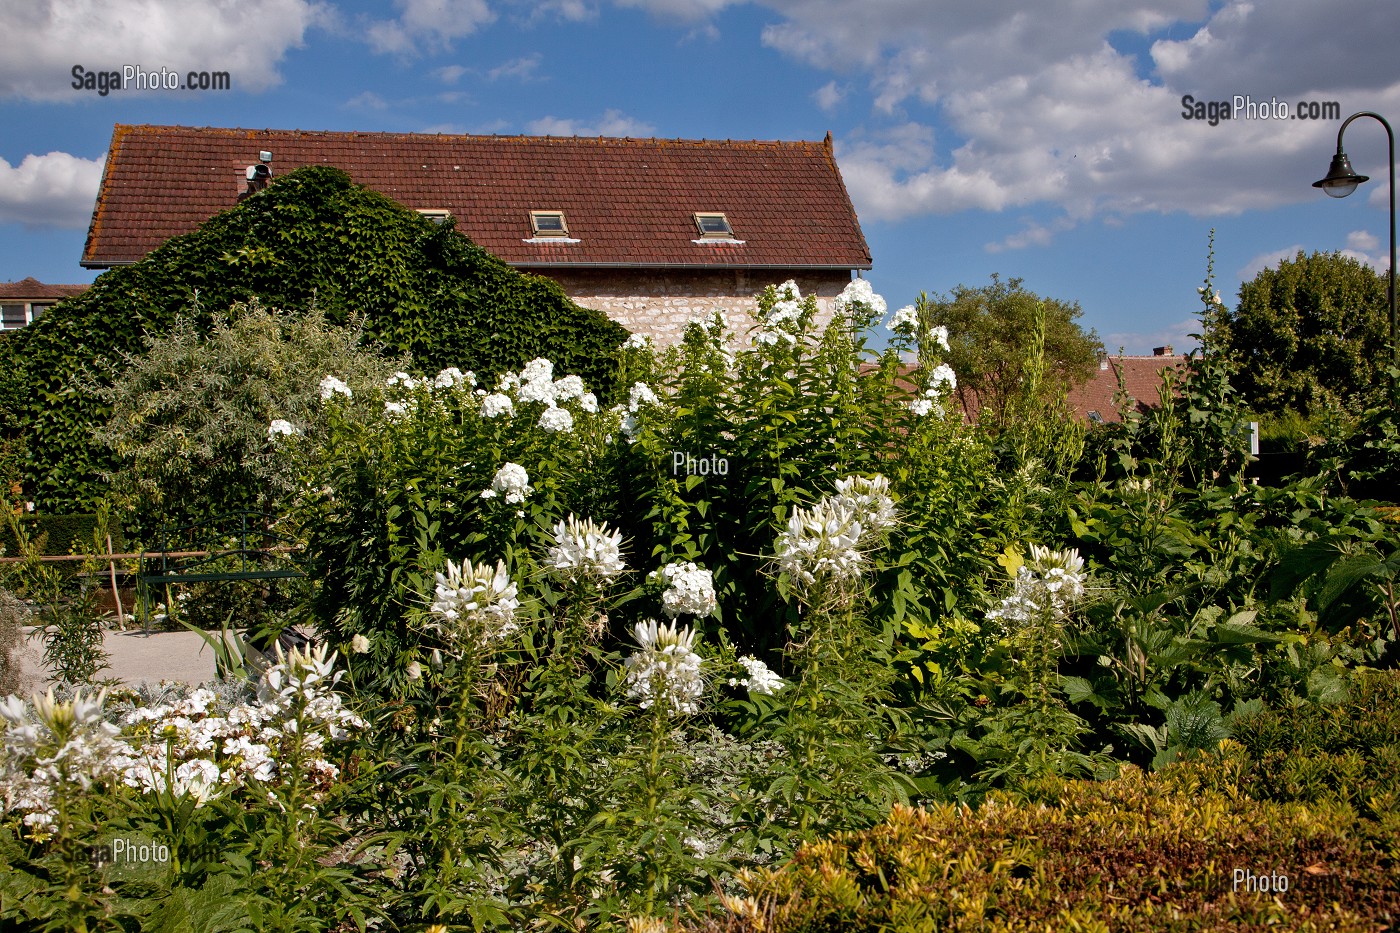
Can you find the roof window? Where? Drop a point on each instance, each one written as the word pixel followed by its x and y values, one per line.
pixel 548 223
pixel 714 226
pixel 437 215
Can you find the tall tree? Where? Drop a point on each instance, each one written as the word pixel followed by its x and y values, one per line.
pixel 990 334
pixel 1309 334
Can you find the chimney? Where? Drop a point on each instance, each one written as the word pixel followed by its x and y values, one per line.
pixel 258 175
pixel 1163 351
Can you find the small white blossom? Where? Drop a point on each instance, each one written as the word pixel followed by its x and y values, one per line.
pixel 587 550
pixel 666 670
pixel 280 428
pixel 942 379
pixel 690 589
pixel 556 420
pixel 821 542
pixel 359 644
pixel 760 679
pixel 331 385
pixel 402 379
pixel 589 403
pixel 567 388
pixel 939 336
pixel 511 481
pixel 493 406
pixel 475 602
pixel 905 320
pixel 869 500
pixel 452 377
pixel 921 406
pixel 859 291
pixel 636 342
pixel 640 394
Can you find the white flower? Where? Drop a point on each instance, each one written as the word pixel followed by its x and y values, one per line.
pixel 589 403
pixel 536 391
pixel 690 589
pixel 857 292
pixel 939 335
pixel 511 481
pixel 475 602
pixel 451 377
pixel 584 549
pixel 394 409
pixel 538 370
pixel 567 388
pixel 636 342
pixel 760 679
pixel 401 379
pixel 493 406
pixel 904 320
pixel 1046 586
pixel 332 385
pixel 556 420
pixel 280 428
pixel 921 406
pixel 640 394
pixel 942 379
pixel 869 500
pixel 821 542
pixel 359 644
pixel 198 778
pixel 666 669
pixel 790 290
pixel 415 670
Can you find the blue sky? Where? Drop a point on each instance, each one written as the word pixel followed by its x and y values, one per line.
pixel 1041 141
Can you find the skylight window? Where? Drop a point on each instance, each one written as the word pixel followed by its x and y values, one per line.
pixel 437 215
pixel 714 226
pixel 548 223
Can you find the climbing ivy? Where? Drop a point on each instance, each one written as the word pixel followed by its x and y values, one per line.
pixel 313 237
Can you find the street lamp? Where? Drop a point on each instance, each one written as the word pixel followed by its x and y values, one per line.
pixel 1342 181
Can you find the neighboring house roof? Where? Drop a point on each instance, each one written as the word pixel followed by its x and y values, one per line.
pixel 1142 379
pixel 627 202
pixel 31 289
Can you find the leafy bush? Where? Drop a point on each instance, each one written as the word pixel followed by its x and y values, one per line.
pixel 59 534
pixel 312 238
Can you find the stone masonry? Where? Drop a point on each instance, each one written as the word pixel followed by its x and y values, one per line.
pixel 660 303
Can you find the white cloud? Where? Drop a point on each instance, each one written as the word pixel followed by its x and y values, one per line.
pixel 367 100
pixel 1363 240
pixel 829 96
pixel 683 10
pixel 1267 261
pixel 611 123
pixel 522 69
pixel 428 25
pixel 1141 343
pixel 450 74
pixel 1032 234
pixel 48 37
pixel 53 190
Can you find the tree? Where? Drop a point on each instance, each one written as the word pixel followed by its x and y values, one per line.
pixel 190 417
pixel 1308 335
pixel 990 334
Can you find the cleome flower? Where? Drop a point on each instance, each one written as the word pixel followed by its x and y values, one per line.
pixel 821 542
pixel 475 602
pixel 690 589
pixel 869 500
pixel 665 671
pixel 585 550
pixel 1046 586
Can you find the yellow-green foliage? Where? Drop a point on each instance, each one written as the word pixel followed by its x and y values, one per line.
pixel 1140 852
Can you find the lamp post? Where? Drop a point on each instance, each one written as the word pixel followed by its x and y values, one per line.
pixel 1342 181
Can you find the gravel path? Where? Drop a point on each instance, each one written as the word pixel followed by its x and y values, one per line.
pixel 132 658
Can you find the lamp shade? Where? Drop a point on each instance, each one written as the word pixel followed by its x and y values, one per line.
pixel 1341 180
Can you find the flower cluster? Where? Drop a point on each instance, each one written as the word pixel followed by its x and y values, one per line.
pixel 331 386
pixel 640 394
pixel 66 744
pixel 821 542
pixel 870 500
pixel 760 679
pixel 475 602
pixel 536 383
pixel 942 381
pixel 859 293
pixel 689 589
pixel 510 481
pixel 1046 586
pixel 905 321
pixel 281 428
pixel 782 320
pixel 585 550
pixel 665 671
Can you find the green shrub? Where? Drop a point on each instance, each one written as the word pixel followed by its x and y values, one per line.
pixel 312 238
pixel 59 534
pixel 1136 853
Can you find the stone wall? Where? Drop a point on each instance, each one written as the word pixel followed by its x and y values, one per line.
pixel 661 303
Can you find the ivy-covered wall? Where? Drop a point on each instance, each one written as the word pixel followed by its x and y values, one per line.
pixel 311 236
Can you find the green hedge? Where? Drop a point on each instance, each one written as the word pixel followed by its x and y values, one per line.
pixel 1308 795
pixel 313 236
pixel 58 534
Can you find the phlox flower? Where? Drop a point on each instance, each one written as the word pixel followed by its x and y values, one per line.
pixel 585 550
pixel 402 379
pixel 640 394
pixel 556 420
pixel 665 670
pixel 690 589
pixel 860 292
pixel 567 388
pixel 939 336
pixel 511 481
pixel 452 377
pixel 905 320
pixel 495 405
pixel 281 428
pixel 332 385
pixel 942 378
pixel 636 342
pixel 759 678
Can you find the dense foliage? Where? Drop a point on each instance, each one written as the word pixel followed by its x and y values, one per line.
pixel 582 665
pixel 311 239
pixel 1308 335
pixel 990 330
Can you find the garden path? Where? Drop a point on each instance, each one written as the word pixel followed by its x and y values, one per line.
pixel 133 658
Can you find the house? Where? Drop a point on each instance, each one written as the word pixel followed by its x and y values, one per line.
pixel 652 232
pixel 1141 377
pixel 25 301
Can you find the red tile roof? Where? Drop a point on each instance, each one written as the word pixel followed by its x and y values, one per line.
pixel 31 289
pixel 629 202
pixel 1142 379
